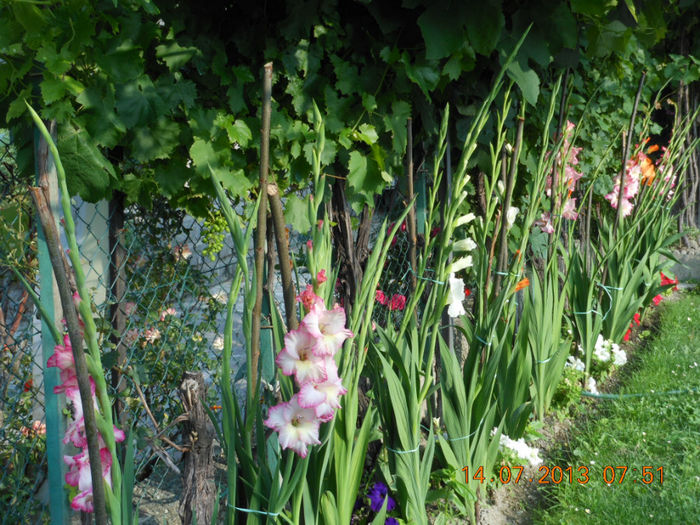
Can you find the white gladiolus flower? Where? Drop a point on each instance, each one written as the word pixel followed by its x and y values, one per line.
pixel 218 343
pixel 501 187
pixel 455 297
pixel 511 214
pixel 465 219
pixel 465 245
pixel 462 196
pixel 592 386
pixel 461 264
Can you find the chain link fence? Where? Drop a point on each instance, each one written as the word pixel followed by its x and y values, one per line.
pixel 159 280
pixel 159 308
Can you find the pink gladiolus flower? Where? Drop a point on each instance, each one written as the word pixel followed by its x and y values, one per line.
pixel 297 426
pixel 297 357
pixel 398 302
pixel 569 210
pixel 545 223
pixel 78 475
pixel 327 327
pixel 309 299
pixel 62 358
pixel 381 298
pixel 321 277
pixel 324 397
pixel 309 245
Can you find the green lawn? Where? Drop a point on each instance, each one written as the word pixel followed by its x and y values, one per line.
pixel 655 431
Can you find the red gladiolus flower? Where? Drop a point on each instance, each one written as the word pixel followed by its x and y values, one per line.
pixel 381 298
pixel 627 335
pixel 637 319
pixel 398 302
pixel 656 300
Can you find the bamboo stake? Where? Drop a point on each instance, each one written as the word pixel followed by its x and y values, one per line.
pixel 76 339
pixel 625 154
pixel 510 182
pixel 260 234
pixel 282 241
pixel 412 211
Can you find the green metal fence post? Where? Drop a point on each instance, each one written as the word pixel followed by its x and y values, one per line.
pixel 55 427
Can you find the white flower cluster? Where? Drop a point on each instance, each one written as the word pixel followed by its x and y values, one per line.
pixel 592 386
pixel 605 350
pixel 522 449
pixel 575 363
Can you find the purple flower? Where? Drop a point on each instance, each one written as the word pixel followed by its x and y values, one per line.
pixel 391 521
pixel 377 495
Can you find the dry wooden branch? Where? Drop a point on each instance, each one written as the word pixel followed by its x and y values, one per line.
pixel 282 241
pixel 71 315
pixel 260 234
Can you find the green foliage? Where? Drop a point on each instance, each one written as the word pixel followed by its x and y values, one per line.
pixel 155 85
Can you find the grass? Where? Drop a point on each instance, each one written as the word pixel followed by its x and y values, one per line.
pixel 655 430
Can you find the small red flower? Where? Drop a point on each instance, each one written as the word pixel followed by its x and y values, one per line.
pixel 627 335
pixel 398 302
pixel 656 300
pixel 434 231
pixel 467 292
pixel 637 319
pixel 28 385
pixel 381 298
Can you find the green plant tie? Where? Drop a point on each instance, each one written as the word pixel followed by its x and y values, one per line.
pixel 481 340
pixel 410 270
pixel 403 451
pixel 508 273
pixel 593 310
pixel 643 394
pixel 444 435
pixel 253 511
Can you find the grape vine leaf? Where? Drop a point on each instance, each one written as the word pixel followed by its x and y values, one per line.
pixel 88 172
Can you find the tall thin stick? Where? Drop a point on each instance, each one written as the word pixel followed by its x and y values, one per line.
pixel 74 333
pixel 282 241
pixel 412 211
pixel 510 182
pixel 625 154
pixel 260 234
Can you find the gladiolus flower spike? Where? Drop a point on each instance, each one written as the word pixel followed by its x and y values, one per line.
pixel 308 356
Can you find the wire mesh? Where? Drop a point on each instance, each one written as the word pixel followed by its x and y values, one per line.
pixel 172 316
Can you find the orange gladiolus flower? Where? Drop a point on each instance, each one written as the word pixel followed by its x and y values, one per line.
pixel 523 283
pixel 653 148
pixel 648 171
